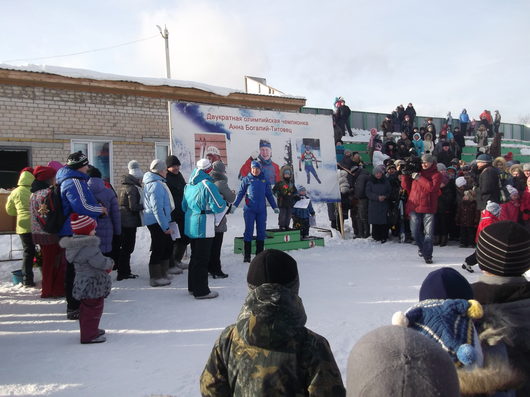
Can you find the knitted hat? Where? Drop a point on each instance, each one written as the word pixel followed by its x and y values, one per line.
pixel 82 224
pixel 503 249
pixel 42 173
pixel 219 166
pixel 76 160
pixel 272 267
pixel 301 188
pixel 255 164
pixel 526 167
pixel 484 158
pixel 460 181
pixel 93 172
pixel 157 166
pixel 397 361
pixel 204 164
pixel 172 160
pixel 134 169
pixel 264 143
pixel 493 208
pixel 55 165
pixel 379 169
pixel 427 158
pixel 445 283
pixel 441 167
pixel 448 322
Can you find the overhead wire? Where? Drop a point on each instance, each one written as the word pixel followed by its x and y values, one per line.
pixel 81 52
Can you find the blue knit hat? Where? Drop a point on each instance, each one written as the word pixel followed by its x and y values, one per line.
pixel 255 164
pixel 448 322
pixel 445 283
pixel 264 143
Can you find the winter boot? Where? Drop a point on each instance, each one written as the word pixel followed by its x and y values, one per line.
pixel 164 268
pixel 247 249
pixel 259 246
pixel 155 276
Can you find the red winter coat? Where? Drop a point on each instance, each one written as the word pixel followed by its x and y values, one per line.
pixel 424 191
pixel 486 219
pixel 525 204
pixel 510 211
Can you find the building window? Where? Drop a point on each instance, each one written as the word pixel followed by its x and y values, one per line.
pixel 99 155
pixel 161 150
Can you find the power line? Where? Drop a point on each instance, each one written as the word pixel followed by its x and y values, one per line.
pixel 82 52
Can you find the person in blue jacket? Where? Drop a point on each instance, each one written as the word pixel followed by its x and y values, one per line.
pixel 158 205
pixel 200 203
pixel 75 197
pixel 256 189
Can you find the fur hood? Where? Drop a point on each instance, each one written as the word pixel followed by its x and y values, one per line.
pixel 496 376
pixel 78 241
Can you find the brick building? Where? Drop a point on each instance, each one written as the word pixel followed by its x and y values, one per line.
pixel 47 113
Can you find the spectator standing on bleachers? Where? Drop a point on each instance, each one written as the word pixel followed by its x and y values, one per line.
pixel 464 121
pixel 418 143
pixel 496 122
pixel 481 139
pixel 386 125
pixel 411 112
pixel 344 114
pixel 406 125
pixel 488 182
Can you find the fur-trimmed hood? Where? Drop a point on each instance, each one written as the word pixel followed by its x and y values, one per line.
pixel 79 241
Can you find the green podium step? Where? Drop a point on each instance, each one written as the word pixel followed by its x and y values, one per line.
pixel 283 240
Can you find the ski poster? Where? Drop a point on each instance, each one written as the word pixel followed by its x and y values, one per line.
pixel 237 136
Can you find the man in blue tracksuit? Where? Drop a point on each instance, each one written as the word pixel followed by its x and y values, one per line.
pixel 75 197
pixel 200 203
pixel 255 188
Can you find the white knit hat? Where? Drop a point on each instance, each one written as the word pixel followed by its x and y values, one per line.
pixel 460 181
pixel 204 164
pixel 157 165
pixel 134 169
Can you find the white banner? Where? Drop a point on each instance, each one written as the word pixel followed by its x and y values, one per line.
pixel 239 135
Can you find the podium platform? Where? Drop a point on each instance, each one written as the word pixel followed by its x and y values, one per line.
pixel 283 240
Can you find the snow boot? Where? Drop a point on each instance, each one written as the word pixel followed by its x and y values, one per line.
pixel 259 246
pixel 246 253
pixel 164 267
pixel 155 276
pixel 211 295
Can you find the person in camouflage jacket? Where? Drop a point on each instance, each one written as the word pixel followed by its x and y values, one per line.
pixel 269 351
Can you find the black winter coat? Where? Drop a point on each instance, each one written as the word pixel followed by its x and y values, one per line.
pixel 129 200
pixel 488 187
pixel 176 184
pixel 377 210
pixel 360 184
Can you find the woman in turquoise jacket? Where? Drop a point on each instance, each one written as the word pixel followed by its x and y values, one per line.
pixel 200 203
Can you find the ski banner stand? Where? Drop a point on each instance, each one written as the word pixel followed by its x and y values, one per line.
pixel 237 136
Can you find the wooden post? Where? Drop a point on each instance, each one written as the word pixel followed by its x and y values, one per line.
pixel 341 219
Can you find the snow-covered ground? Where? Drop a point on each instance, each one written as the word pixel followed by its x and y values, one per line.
pixel 158 339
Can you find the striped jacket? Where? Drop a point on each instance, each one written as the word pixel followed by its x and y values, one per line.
pixel 76 197
pixel 201 202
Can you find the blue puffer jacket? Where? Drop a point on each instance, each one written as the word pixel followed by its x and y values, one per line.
pixel 76 197
pixel 255 189
pixel 201 201
pixel 110 224
pixel 157 205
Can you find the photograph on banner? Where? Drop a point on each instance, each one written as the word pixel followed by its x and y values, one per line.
pixel 238 136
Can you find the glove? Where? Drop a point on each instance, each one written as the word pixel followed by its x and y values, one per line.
pixel 299 169
pixel 415 175
pixel 276 210
pixel 233 209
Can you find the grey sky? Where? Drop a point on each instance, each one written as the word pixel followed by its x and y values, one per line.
pixel 376 54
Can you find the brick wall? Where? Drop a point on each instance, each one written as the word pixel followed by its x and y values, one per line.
pixel 48 119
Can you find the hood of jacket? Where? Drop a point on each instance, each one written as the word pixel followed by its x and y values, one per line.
pixel 416 136
pixel 96 185
pixel 197 176
pixel 76 242
pixel 271 317
pixel 427 136
pixel 65 173
pixel 25 178
pixel 284 168
pixel 128 179
pixel 150 177
pixel 218 176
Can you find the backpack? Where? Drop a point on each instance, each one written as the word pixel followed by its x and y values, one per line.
pixel 50 210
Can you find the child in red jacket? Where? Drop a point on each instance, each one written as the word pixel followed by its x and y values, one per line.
pixel 510 210
pixel 488 216
pixel 525 205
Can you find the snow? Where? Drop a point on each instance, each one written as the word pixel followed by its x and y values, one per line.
pixel 158 339
pixel 94 75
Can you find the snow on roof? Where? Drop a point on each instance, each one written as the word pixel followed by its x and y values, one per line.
pixel 153 81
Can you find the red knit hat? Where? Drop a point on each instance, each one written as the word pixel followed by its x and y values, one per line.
pixel 82 224
pixel 43 173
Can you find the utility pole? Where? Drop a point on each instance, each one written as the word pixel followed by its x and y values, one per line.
pixel 165 36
